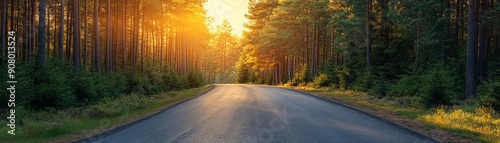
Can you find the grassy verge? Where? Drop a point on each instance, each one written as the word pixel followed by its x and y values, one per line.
pixel 77 123
pixel 467 122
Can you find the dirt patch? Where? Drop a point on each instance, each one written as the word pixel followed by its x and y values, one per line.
pixel 411 124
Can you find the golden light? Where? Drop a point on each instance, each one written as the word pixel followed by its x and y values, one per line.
pixel 232 10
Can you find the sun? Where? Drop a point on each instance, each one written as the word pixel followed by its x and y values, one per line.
pixel 232 10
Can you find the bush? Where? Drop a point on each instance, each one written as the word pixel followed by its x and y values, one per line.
pixel 183 83
pixel 52 90
pixel 320 81
pixel 380 88
pixel 169 80
pixel 365 81
pixel 301 76
pixel 436 88
pixel 408 85
pixel 491 91
pixel 194 79
pixel 58 86
pixel 343 76
pixel 85 88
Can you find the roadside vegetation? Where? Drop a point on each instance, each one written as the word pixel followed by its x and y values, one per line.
pixel 68 104
pixel 434 61
pixel 472 120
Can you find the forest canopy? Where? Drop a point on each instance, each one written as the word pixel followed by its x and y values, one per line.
pixel 73 52
pixel 440 51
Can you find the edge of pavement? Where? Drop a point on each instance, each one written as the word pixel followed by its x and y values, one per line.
pixel 97 134
pixel 401 127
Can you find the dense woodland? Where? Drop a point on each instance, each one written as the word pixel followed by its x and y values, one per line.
pixel 444 52
pixel 72 53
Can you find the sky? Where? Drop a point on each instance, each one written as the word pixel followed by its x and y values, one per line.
pixel 232 10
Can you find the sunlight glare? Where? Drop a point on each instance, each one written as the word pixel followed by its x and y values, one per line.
pixel 232 10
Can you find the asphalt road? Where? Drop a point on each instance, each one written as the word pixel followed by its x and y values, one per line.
pixel 252 113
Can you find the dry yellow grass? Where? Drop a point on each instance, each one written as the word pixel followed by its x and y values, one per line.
pixel 482 122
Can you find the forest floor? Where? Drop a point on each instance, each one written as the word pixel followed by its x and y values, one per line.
pixel 74 124
pixel 434 123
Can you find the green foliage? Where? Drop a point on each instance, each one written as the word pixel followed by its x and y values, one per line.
pixel 170 80
pixel 491 91
pixel 58 86
pixel 380 88
pixel 344 76
pixel 322 80
pixel 194 79
pixel 364 81
pixel 301 76
pixel 330 71
pixel 183 83
pixel 90 87
pixel 406 86
pixel 243 75
pixel 436 88
pixel 109 107
pixel 51 87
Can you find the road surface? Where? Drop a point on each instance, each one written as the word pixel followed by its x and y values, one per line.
pixel 253 113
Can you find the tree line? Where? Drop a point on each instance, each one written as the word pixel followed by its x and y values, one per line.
pixel 76 52
pixel 438 50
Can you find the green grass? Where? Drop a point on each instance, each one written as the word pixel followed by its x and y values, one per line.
pixel 468 120
pixel 49 126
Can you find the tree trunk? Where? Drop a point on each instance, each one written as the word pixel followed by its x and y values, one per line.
pixel 97 50
pixel 471 48
pixel 76 35
pixel 41 37
pixel 61 33
pixel 124 32
pixel 32 27
pixel 69 35
pixel 497 44
pixel 108 38
pixel 368 33
pixel 85 36
pixel 3 31
pixel 483 39
pixel 142 41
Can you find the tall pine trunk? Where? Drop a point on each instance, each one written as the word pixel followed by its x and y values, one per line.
pixel 108 37
pixel 3 30
pixel 76 36
pixel 471 48
pixel 61 33
pixel 97 50
pixel 85 36
pixel 368 33
pixel 41 33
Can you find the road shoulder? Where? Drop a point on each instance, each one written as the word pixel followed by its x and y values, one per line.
pixel 95 134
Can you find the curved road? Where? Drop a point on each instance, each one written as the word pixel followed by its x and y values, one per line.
pixel 253 113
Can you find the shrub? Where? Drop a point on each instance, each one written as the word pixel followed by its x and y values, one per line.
pixel 491 91
pixel 320 81
pixel 364 81
pixel 301 76
pixel 183 83
pixel 194 79
pixel 408 85
pixel 380 88
pixel 343 76
pixel 168 79
pixel 52 90
pixel 85 88
pixel 436 85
